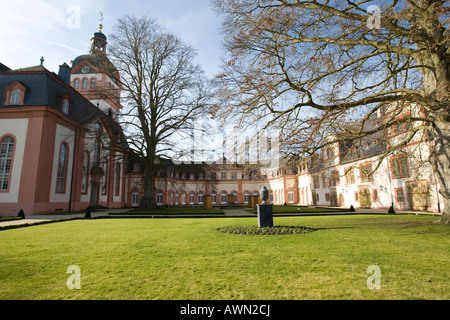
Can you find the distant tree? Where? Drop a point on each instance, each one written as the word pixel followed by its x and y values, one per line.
pixel 163 92
pixel 325 67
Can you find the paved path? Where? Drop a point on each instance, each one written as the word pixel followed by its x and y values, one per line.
pixel 34 219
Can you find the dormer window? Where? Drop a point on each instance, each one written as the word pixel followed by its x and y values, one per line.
pixel 15 94
pixel 15 97
pixel 65 104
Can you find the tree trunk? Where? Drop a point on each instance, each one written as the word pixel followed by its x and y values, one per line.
pixel 441 163
pixel 436 84
pixel 148 202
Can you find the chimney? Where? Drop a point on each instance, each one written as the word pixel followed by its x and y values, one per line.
pixel 64 73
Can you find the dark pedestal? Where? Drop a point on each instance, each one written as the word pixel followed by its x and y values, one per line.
pixel 265 216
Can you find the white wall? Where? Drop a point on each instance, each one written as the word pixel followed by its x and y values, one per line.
pixel 17 128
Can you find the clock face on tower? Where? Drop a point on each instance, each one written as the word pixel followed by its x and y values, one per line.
pixel 85 69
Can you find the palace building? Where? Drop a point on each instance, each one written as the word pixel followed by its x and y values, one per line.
pixel 52 137
pixel 62 150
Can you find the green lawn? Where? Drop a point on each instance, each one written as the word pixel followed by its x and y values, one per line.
pixel 189 259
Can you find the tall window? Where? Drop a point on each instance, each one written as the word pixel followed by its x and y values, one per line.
pixel 84 84
pixel 223 198
pixel 65 106
pixel 400 195
pixel 105 177
pixel 85 180
pixel 97 152
pixel 135 198
pixel 291 196
pixel 335 178
pixel 6 151
pixel 246 194
pixel 159 199
pixel 350 176
pixel 214 198
pixel 93 82
pixel 15 97
pixel 192 198
pixel 366 173
pixel 62 169
pixel 316 182
pixel 76 83
pixel 399 165
pixel 117 182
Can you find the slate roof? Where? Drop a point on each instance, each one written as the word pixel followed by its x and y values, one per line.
pixel 3 67
pixel 45 88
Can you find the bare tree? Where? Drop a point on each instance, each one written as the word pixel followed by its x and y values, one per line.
pixel 322 67
pixel 163 91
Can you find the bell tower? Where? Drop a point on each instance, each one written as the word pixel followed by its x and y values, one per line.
pixel 99 40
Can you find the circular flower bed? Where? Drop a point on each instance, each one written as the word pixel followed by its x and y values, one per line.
pixel 276 230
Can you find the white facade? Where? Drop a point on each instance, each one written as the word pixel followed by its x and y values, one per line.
pixel 17 128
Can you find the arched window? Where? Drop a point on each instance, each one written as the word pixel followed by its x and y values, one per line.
pixel 85 179
pixel 93 82
pixel 104 180
pixel 15 97
pixel 15 94
pixel 65 106
pixel 117 182
pixel 223 197
pixel 97 128
pixel 135 198
pixel 192 198
pixel 159 198
pixel 6 153
pixel 291 196
pixel 200 198
pixel 84 83
pixel 214 198
pixel 76 83
pixel 246 194
pixel 97 146
pixel 62 168
pixel 97 152
pixel 271 196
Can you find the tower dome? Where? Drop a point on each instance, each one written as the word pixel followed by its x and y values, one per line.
pixel 99 41
pixel 96 77
pixel 97 57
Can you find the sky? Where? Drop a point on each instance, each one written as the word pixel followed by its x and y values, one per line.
pixel 60 30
